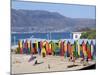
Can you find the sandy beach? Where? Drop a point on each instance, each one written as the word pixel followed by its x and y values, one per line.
pixel 20 64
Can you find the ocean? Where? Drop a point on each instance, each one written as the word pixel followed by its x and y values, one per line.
pixel 50 36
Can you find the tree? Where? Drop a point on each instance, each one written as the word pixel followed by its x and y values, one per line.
pixel 91 34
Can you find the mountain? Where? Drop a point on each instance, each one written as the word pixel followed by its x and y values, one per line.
pixel 45 21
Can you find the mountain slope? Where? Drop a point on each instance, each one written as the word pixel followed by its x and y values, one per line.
pixel 45 21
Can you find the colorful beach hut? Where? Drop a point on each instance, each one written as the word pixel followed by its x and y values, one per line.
pixel 78 47
pixel 29 46
pixel 75 49
pixel 81 51
pixel 72 52
pixel 93 50
pixel 50 49
pixel 68 49
pixel 88 49
pixel 26 47
pixel 62 48
pixel 18 48
pixel 84 50
pixel 47 47
pixel 43 51
pixel 39 48
pixel 57 49
pixel 34 48
pixel 65 48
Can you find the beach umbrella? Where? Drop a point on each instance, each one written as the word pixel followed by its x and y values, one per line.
pixel 84 50
pixel 88 49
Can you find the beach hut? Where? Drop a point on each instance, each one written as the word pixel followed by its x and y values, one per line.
pixel 57 49
pixel 78 47
pixel 72 52
pixel 88 49
pixel 62 48
pixel 50 49
pixel 75 49
pixel 81 51
pixel 84 50
pixel 29 46
pixel 41 45
pixel 47 47
pixel 65 48
pixel 20 47
pixel 59 43
pixel 23 44
pixel 39 48
pixel 26 47
pixel 34 50
pixel 68 49
pixel 93 50
pixel 43 52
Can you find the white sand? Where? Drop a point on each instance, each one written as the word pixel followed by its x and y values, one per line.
pixel 20 64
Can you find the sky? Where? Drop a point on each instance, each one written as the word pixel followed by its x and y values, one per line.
pixel 68 10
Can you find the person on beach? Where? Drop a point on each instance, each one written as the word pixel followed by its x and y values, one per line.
pixel 31 58
pixel 49 66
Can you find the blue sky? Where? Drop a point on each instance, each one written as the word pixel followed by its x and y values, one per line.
pixel 68 10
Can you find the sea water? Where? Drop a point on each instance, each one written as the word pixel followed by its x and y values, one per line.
pixel 49 36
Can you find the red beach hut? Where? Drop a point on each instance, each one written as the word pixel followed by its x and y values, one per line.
pixel 62 48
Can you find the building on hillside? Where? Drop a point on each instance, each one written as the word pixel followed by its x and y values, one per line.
pixel 76 35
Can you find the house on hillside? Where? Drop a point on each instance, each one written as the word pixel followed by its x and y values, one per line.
pixel 76 35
